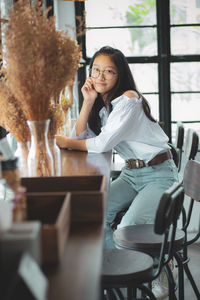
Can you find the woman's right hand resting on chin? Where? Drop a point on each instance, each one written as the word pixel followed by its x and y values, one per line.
pixel 88 91
pixel 89 95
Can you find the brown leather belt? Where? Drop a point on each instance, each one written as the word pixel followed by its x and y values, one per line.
pixel 137 163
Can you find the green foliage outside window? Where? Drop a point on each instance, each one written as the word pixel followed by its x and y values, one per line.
pixel 141 14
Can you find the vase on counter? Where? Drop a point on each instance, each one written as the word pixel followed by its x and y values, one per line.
pixel 40 159
pixel 22 154
pixel 55 150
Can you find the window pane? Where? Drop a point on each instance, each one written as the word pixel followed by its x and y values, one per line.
pixel 101 13
pixel 5 6
pixel 184 12
pixel 185 107
pixel 185 40
pixel 132 42
pixel 146 77
pixel 185 76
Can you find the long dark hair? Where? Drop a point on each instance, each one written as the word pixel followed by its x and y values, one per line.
pixel 125 82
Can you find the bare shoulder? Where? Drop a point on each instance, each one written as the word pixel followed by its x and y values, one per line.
pixel 131 94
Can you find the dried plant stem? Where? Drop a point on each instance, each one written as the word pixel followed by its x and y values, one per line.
pixel 12 117
pixel 39 60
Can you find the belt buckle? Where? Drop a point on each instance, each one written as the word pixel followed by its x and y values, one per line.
pixel 137 163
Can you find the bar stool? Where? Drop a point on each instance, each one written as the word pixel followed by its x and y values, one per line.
pixel 192 190
pixel 179 142
pixel 126 269
pixel 191 144
pixel 134 271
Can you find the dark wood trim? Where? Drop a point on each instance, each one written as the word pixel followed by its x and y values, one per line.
pixel 163 23
pixel 50 3
pixel 79 12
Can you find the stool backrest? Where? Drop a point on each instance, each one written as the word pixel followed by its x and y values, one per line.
pixel 191 184
pixel 179 142
pixel 169 208
pixel 191 144
pixel 191 179
pixel 168 212
pixel 175 154
pixel 179 136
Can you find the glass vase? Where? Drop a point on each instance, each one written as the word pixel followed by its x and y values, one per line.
pixel 40 159
pixel 55 150
pixel 22 154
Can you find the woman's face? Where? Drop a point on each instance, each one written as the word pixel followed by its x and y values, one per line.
pixel 105 73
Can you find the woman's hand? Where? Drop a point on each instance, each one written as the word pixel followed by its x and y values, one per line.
pixel 62 141
pixel 65 142
pixel 88 91
pixel 90 95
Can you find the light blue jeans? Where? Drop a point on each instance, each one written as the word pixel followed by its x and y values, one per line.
pixel 140 191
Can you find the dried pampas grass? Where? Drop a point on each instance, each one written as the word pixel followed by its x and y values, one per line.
pixel 40 61
pixel 12 117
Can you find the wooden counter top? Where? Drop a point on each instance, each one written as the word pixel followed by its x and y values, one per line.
pixel 83 163
pixel 75 238
pixel 77 277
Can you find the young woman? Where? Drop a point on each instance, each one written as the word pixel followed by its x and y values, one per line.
pixel 115 115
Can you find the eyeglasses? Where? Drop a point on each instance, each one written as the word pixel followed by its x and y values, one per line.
pixel 107 74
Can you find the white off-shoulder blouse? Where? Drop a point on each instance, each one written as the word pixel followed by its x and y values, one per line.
pixel 127 130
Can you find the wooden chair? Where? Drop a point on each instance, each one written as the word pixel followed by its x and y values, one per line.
pixel 175 154
pixel 132 270
pixel 179 141
pixel 190 149
pixel 191 184
pixel 191 144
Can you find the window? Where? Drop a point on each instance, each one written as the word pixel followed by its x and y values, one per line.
pixel 185 62
pixel 161 42
pixel 132 29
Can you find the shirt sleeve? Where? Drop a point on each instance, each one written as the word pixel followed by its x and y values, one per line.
pixel 120 123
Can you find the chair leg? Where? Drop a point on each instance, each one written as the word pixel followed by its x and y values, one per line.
pixel 131 292
pixel 110 295
pixel 191 279
pixel 181 291
pixel 119 294
pixel 184 262
pixel 145 290
pixel 171 283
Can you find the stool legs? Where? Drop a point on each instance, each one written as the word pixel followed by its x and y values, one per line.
pixel 183 267
pixel 116 294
